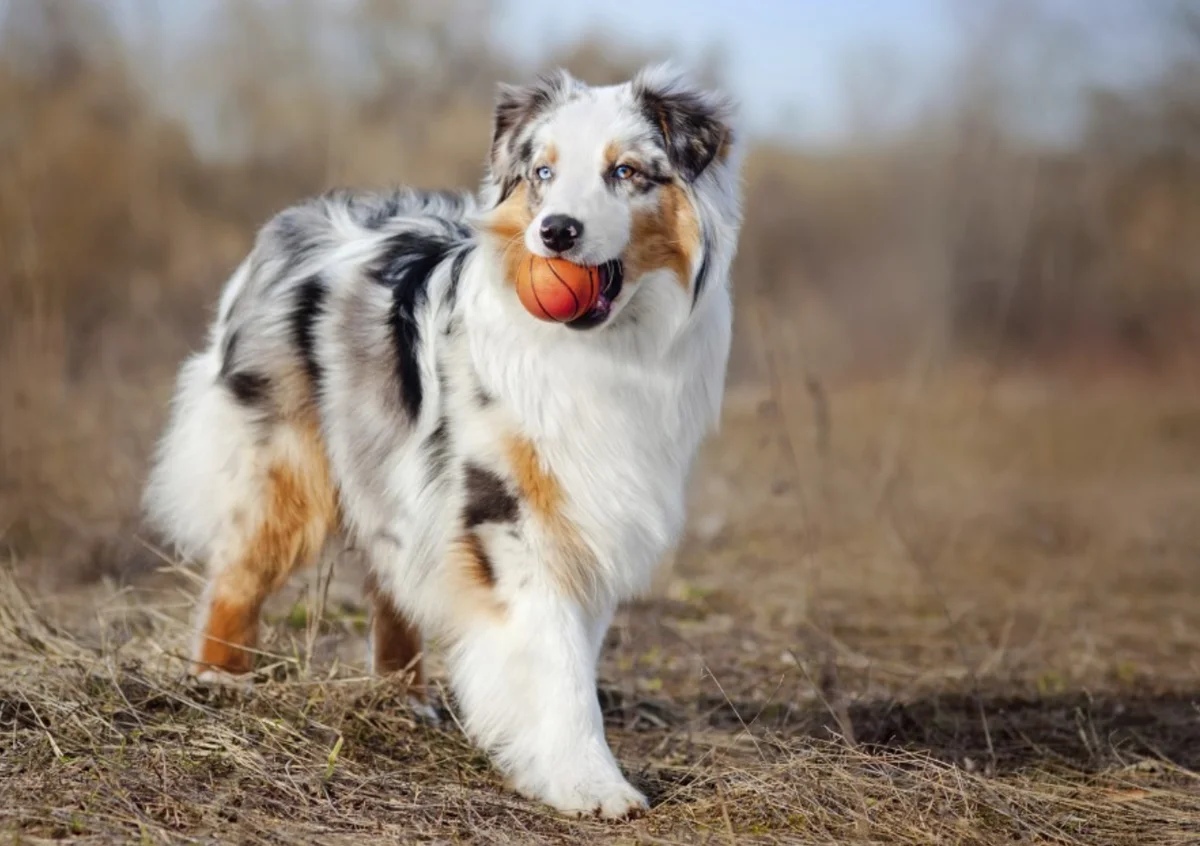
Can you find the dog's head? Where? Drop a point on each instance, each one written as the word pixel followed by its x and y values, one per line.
pixel 636 178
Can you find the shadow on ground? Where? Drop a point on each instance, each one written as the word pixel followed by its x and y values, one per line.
pixel 1077 730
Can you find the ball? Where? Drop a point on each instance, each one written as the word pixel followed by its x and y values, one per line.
pixel 557 290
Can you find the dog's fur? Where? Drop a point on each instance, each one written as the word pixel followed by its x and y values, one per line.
pixel 371 376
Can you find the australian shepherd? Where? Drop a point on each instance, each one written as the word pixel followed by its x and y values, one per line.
pixel 372 377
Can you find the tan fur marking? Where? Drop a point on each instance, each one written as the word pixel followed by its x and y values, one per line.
pixel 667 237
pixel 612 152
pixel 299 509
pixel 664 125
pixel 507 224
pixel 551 155
pixel 479 565
pixel 726 147
pixel 230 633
pixel 539 488
pixel 294 394
pixel 543 493
pixel 396 642
pixel 474 579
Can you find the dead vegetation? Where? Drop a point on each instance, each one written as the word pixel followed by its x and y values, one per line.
pixel 971 659
pixel 940 580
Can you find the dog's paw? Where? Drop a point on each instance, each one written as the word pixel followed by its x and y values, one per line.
pixel 610 800
pixel 424 710
pixel 212 677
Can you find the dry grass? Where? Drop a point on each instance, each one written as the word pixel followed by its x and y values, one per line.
pixel 965 657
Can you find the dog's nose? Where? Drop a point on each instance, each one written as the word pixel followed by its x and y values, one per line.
pixel 560 232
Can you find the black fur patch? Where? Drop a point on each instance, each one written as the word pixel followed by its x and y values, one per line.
pixel 655 173
pixel 456 269
pixel 250 389
pixel 509 185
pixel 702 273
pixel 437 445
pixel 228 353
pixel 652 177
pixel 456 230
pixel 488 498
pixel 294 237
pixel 405 267
pixel 525 154
pixel 689 130
pixel 310 302
pixel 376 216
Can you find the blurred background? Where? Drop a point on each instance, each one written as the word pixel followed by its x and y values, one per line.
pixel 942 198
pixel 950 520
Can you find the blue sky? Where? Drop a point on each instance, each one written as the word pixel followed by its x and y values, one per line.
pixel 800 67
pixel 785 59
pixel 794 63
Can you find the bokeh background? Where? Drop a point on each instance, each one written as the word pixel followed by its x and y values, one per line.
pixel 940 579
pixel 1013 181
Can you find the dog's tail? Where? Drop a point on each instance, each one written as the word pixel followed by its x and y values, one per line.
pixel 204 458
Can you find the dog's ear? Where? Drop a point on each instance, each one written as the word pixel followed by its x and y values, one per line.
pixel 517 106
pixel 694 124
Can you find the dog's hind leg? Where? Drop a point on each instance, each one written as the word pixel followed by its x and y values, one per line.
pixel 281 526
pixel 395 642
pixel 246 489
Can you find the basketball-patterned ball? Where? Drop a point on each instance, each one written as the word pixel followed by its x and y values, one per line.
pixel 557 290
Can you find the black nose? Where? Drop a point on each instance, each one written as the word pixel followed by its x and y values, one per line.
pixel 560 232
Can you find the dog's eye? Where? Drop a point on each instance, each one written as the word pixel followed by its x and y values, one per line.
pixel 623 172
pixel 544 172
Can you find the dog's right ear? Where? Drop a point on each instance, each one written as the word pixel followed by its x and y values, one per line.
pixel 517 108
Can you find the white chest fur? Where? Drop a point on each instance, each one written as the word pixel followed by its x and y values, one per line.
pixel 618 424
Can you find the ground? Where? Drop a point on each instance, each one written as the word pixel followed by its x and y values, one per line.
pixel 962 606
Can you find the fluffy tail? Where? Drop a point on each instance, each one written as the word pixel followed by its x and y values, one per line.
pixel 206 463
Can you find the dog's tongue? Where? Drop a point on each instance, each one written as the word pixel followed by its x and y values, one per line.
pixel 608 287
pixel 601 308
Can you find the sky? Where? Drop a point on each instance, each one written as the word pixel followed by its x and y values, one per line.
pixel 784 58
pixel 795 64
pixel 813 70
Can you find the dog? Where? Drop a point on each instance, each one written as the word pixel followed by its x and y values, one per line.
pixel 372 377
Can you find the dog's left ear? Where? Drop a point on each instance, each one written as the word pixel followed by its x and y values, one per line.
pixel 694 123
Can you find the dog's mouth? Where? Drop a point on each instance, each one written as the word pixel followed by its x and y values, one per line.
pixel 612 277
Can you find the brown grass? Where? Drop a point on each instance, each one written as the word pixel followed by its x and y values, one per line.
pixel 940 579
pixel 967 657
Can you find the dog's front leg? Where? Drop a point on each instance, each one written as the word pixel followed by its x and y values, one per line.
pixel 526 682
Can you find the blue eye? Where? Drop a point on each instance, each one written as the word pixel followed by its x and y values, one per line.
pixel 622 172
pixel 544 172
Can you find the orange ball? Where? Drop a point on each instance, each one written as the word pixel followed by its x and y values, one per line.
pixel 557 290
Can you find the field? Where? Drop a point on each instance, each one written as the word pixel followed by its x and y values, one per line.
pixel 941 581
pixel 961 610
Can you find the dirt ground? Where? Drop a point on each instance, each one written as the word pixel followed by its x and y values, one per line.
pixel 956 607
